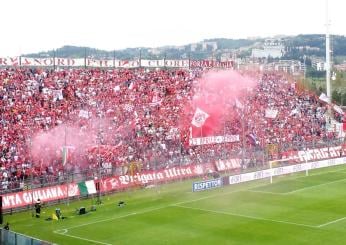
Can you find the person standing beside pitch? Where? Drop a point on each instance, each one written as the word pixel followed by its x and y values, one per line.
pixel 38 206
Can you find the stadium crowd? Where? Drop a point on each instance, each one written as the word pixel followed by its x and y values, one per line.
pixel 136 116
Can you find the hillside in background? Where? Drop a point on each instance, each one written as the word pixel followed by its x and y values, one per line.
pixel 313 45
pixel 296 47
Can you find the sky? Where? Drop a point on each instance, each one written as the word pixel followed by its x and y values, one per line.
pixel 39 25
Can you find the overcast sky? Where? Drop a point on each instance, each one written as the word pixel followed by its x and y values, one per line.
pixel 38 25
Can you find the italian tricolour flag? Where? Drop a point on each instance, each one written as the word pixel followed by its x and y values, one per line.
pixel 87 187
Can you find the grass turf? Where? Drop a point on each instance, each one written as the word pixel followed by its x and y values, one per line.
pixel 295 209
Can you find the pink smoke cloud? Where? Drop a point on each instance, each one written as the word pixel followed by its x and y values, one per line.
pixel 215 94
pixel 82 142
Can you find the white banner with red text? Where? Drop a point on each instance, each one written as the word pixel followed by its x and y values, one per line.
pixel 315 154
pixel 229 164
pixel 214 140
pixel 267 173
pixel 153 177
pixel 321 157
pixel 110 63
pixel 25 198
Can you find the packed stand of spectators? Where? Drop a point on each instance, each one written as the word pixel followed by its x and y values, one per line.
pixel 300 118
pixel 138 116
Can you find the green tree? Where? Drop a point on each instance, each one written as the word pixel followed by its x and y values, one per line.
pixel 336 96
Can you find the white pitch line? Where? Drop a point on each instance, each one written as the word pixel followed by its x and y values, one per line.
pixel 246 216
pixel 142 212
pixel 314 186
pixel 296 178
pixel 99 221
pixel 176 204
pixel 297 190
pixel 253 188
pixel 331 222
pixel 210 196
pixel 266 192
pixel 65 230
pixel 85 239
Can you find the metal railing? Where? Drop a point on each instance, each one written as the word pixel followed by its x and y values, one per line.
pixel 8 237
pixel 254 157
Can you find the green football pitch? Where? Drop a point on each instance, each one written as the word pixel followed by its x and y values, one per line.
pixel 294 209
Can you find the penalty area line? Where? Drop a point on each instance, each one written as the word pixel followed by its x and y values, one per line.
pixel 95 222
pixel 179 204
pixel 64 231
pixel 315 186
pixel 331 222
pixel 297 190
pixel 82 238
pixel 266 192
pixel 247 216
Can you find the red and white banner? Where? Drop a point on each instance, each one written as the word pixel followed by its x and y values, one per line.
pixel 110 63
pixel 324 98
pixel 214 140
pixel 176 63
pixel 269 173
pixel 84 114
pixel 230 164
pixel 153 63
pixel 271 113
pixel 9 61
pixel 199 118
pixel 152 177
pixel 338 109
pixel 315 154
pixel 24 198
pixel 211 63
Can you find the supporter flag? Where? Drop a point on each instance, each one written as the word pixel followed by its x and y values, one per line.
pixel 87 187
pixel 293 86
pixel 54 217
pixel 324 98
pixel 116 88
pixel 271 113
pixel 199 118
pixel 155 100
pixel 294 112
pixel 119 144
pixel 84 114
pixel 57 95
pixel 128 107
pixel 124 63
pixel 110 111
pixel 253 138
pixel 137 119
pixel 238 104
pixel 338 109
pixel 64 155
pixel 131 85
